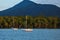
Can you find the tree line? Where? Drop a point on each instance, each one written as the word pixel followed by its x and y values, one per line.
pixel 29 22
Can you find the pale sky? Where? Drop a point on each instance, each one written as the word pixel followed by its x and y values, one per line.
pixel 5 4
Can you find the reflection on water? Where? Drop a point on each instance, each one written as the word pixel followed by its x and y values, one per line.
pixel 36 34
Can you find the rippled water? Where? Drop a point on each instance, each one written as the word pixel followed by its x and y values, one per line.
pixel 36 34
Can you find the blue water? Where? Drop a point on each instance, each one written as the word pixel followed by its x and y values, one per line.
pixel 36 34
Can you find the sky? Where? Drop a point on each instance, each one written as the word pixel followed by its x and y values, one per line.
pixel 5 4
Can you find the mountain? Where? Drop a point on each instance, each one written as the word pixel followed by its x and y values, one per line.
pixel 32 9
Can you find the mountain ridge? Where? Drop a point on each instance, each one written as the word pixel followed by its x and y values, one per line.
pixel 32 9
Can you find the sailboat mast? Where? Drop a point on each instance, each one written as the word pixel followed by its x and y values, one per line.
pixel 13 21
pixel 26 21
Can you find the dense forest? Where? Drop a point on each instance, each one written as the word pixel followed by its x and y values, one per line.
pixel 51 22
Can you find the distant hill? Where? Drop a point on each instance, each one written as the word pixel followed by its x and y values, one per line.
pixel 32 9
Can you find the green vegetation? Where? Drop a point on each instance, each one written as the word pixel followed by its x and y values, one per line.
pixel 29 22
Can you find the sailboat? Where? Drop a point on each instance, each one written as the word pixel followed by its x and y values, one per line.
pixel 27 30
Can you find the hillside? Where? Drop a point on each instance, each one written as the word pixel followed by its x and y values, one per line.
pixel 32 9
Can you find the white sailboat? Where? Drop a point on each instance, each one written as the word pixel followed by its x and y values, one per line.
pixel 13 24
pixel 15 28
pixel 27 30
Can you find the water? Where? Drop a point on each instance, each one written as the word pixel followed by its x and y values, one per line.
pixel 36 34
